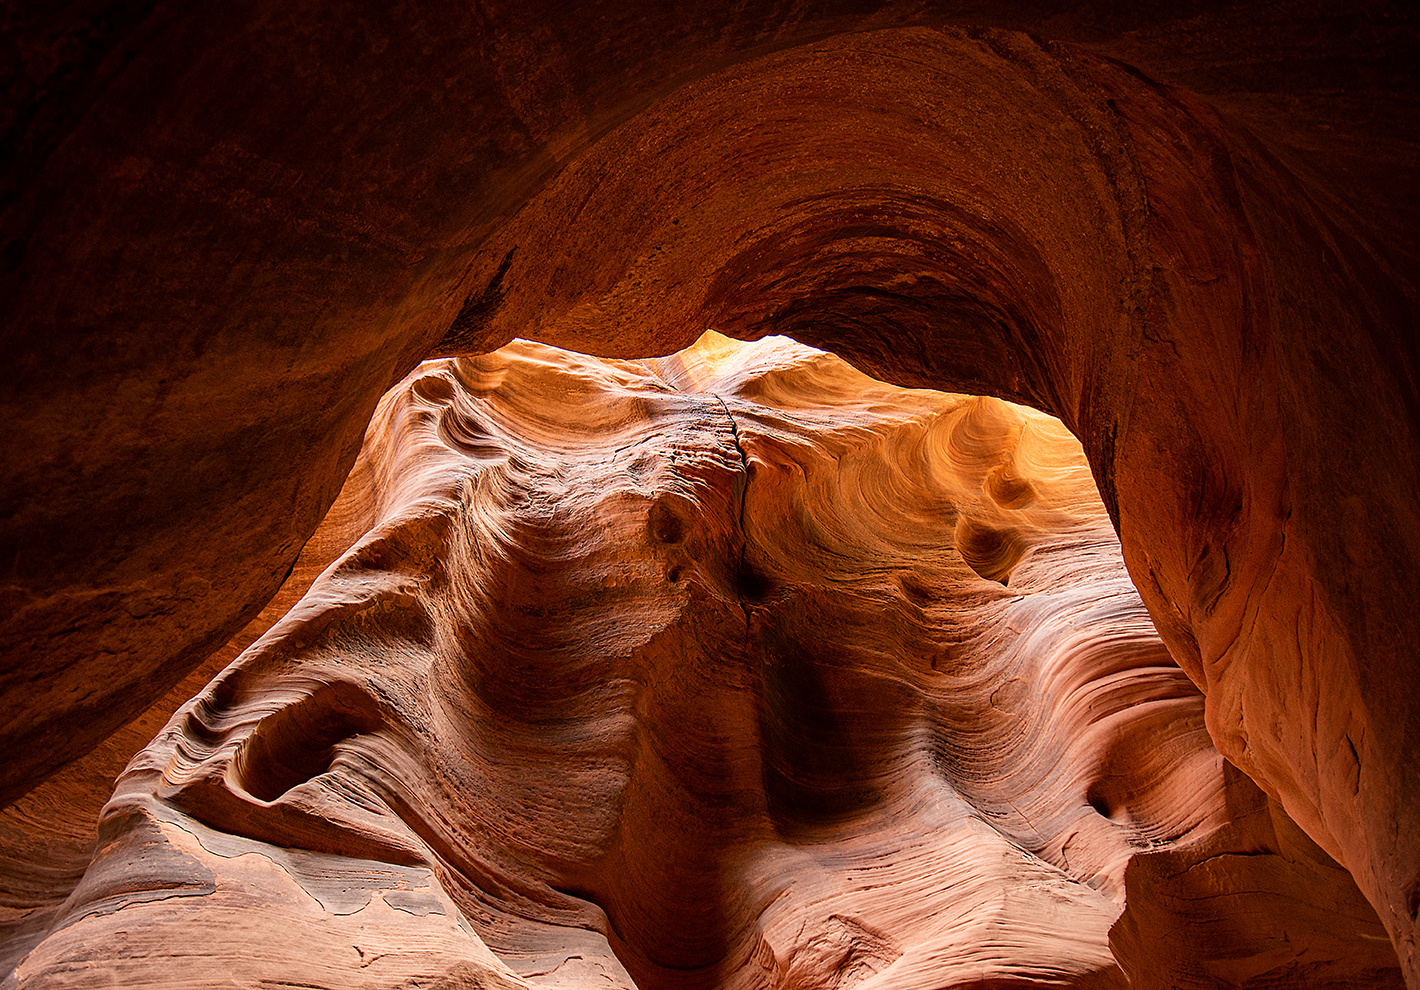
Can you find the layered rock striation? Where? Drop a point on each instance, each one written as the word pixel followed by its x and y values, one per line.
pixel 1189 231
pixel 734 668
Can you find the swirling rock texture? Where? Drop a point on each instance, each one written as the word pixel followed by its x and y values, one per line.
pixel 1187 230
pixel 730 669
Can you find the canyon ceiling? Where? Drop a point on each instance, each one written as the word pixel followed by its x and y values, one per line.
pixel 1187 231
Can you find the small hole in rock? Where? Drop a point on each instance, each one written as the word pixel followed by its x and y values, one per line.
pixel 297 743
pixel 666 525
pixel 1100 802
pixel 752 584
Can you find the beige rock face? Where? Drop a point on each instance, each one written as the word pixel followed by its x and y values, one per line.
pixel 729 669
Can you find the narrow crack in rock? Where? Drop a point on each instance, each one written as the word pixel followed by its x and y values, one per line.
pixel 744 497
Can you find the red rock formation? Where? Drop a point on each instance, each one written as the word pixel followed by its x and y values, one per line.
pixel 224 232
pixel 1104 247
pixel 735 668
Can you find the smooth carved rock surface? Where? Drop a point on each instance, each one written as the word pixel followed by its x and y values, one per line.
pixel 1237 359
pixel 729 669
pixel 1189 230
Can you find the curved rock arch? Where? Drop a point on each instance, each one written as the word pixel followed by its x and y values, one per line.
pixel 1132 273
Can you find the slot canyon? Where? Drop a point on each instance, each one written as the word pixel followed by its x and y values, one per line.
pixel 801 496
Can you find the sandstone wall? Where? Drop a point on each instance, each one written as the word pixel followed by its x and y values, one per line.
pixel 734 668
pixel 1188 232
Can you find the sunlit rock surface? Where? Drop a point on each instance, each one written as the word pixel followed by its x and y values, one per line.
pixel 729 669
